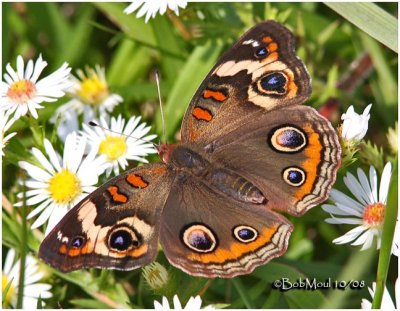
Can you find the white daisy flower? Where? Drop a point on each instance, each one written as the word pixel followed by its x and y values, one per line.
pixel 193 304
pixel 118 142
pixel 355 126
pixel 387 302
pixel 23 92
pixel 367 212
pixel 61 182
pixel 5 124
pixel 32 289
pixel 91 97
pixel 151 7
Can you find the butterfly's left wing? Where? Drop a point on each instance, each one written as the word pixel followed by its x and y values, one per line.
pixel 115 227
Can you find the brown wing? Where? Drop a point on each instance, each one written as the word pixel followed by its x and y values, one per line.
pixel 211 235
pixel 261 72
pixel 291 154
pixel 115 227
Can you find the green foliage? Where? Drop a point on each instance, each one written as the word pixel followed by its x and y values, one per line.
pixel 184 49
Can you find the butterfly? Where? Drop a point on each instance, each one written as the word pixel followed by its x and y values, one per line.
pixel 249 150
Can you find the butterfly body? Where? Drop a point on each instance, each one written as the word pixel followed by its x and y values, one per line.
pixel 249 149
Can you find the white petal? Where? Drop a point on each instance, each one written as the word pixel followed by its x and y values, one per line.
pixel 343 199
pixel 177 303
pixel 193 303
pixel 42 159
pixel 38 209
pixel 366 237
pixel 373 180
pixel 355 188
pixel 12 73
pixel 35 172
pixel 54 157
pixel 58 213
pixel 20 67
pixel 350 235
pixel 349 221
pixel 365 184
pixel 28 70
pixel 39 66
pixel 8 263
pixel 385 183
pixel 44 216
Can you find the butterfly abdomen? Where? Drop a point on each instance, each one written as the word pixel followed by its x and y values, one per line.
pixel 217 178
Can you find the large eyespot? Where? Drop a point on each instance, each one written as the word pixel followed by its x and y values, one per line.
pixel 78 242
pixel 245 234
pixel 123 238
pixel 294 176
pixel 261 52
pixel 199 238
pixel 287 139
pixel 273 84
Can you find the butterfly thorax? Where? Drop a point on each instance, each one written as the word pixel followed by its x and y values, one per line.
pixel 192 164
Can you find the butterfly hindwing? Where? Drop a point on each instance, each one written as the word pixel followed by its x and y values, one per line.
pixel 208 234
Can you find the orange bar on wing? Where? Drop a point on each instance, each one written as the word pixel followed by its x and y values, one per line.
pixel 202 114
pixel 117 197
pixel 217 95
pixel 136 181
pixel 267 39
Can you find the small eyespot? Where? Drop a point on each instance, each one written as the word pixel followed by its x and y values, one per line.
pixel 78 242
pixel 294 176
pixel 245 234
pixel 199 238
pixel 262 52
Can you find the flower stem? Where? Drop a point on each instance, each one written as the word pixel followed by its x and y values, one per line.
pixel 23 251
pixel 387 241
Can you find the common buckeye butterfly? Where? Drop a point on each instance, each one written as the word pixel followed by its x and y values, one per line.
pixel 249 149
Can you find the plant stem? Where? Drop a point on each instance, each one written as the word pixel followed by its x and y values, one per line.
pixel 387 240
pixel 23 251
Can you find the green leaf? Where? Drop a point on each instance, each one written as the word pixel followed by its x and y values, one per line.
pixel 79 38
pixel 122 72
pixel 242 290
pixel 89 304
pixel 135 28
pixel 354 269
pixel 370 18
pixel 172 61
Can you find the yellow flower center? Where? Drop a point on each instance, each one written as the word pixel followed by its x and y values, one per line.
pixel 113 147
pixel 10 293
pixel 93 90
pixel 64 186
pixel 21 91
pixel 374 214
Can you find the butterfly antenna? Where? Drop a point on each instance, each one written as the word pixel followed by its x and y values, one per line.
pixel 157 74
pixel 94 124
